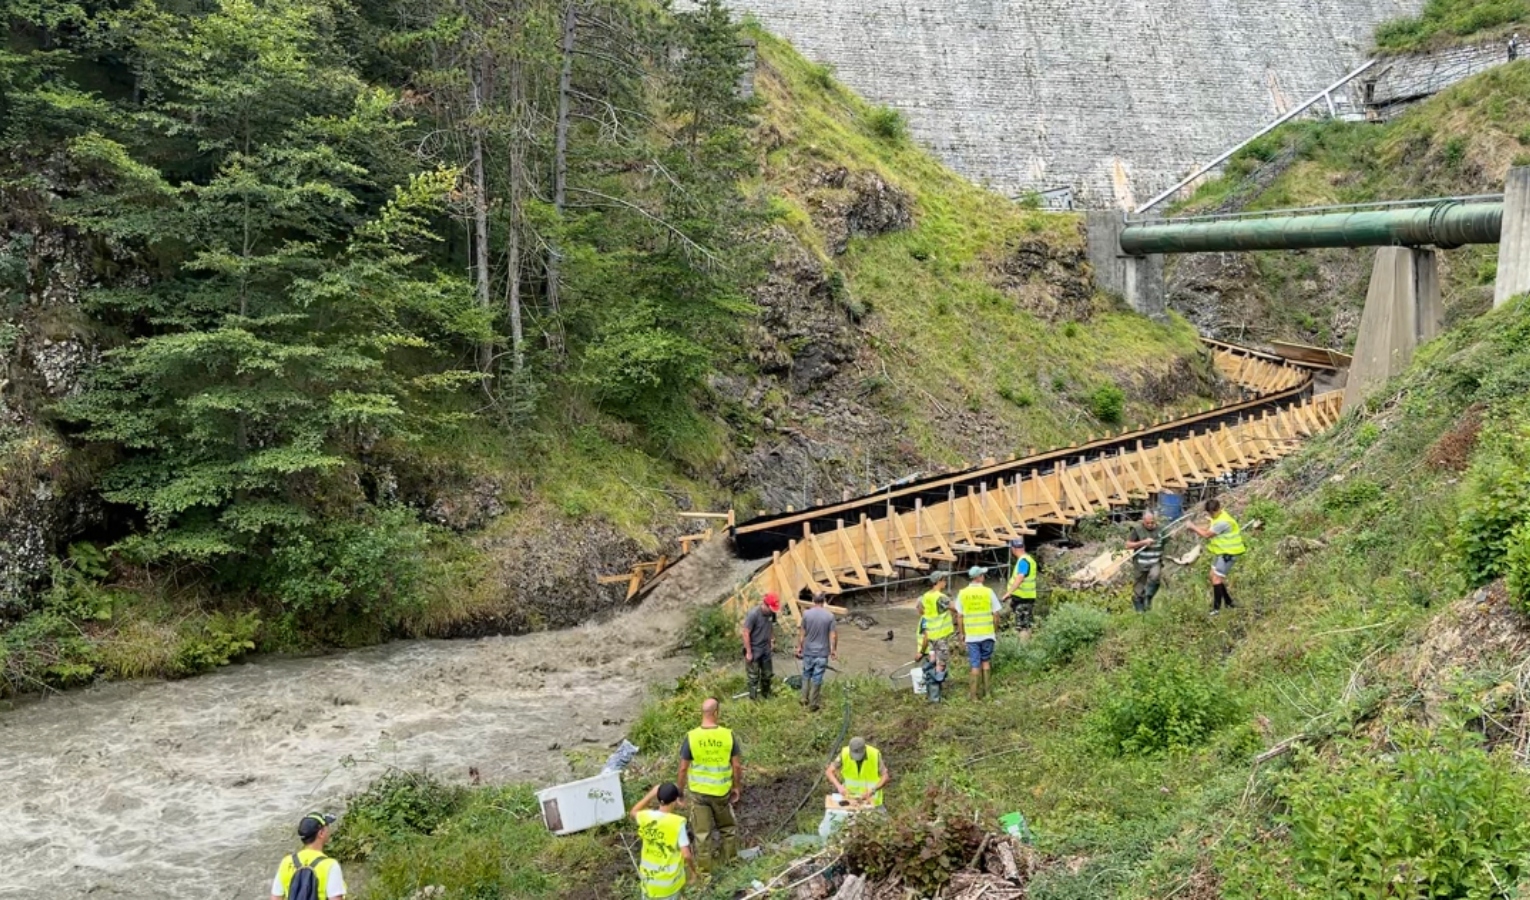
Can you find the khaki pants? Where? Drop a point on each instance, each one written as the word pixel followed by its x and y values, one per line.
pixel 708 814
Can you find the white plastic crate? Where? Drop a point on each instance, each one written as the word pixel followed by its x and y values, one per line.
pixel 573 807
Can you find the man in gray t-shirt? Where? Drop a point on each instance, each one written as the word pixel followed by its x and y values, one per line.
pixel 759 634
pixel 817 643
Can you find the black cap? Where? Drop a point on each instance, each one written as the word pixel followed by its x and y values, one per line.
pixel 312 824
pixel 668 793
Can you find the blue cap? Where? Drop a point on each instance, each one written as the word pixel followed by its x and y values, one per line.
pixel 1017 544
pixel 976 572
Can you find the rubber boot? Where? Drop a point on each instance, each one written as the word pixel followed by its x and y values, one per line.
pixel 987 689
pixel 729 849
pixel 932 690
pixel 815 693
pixel 973 685
pixel 807 690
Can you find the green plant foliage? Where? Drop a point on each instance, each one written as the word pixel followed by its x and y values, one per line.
pixel 712 634
pixel 1165 702
pixel 1350 495
pixel 1108 403
pixel 216 642
pixel 1495 507
pixel 1446 19
pixel 887 124
pixel 1069 629
pixel 398 805
pixel 1440 817
pixel 922 851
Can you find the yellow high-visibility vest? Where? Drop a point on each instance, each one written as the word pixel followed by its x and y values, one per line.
pixel 937 622
pixel 977 611
pixel 663 866
pixel 1229 544
pixel 711 761
pixel 1023 587
pixel 306 857
pixel 861 777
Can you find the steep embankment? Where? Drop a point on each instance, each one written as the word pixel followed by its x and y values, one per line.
pixel 906 321
pixel 1459 142
pixel 1356 724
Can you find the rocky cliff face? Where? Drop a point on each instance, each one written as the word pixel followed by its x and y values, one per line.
pixel 44 353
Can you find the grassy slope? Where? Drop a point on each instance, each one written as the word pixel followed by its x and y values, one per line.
pixel 1446 22
pixel 1320 647
pixel 1460 142
pixel 942 330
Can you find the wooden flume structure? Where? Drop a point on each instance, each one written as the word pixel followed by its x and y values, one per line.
pixel 898 532
pixel 853 553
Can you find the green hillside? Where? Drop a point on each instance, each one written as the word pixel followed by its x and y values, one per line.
pixel 1352 729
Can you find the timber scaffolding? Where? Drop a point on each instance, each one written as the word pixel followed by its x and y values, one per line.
pixel 909 528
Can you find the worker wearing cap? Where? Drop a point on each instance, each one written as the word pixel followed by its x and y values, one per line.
pixel 935 630
pixel 712 770
pixel 666 846
pixel 977 608
pixel 1224 540
pixel 1022 585
pixel 759 633
pixel 859 773
pixel 314 832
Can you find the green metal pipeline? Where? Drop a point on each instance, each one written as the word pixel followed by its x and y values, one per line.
pixel 1444 225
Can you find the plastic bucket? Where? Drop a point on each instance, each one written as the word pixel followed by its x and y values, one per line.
pixel 916 674
pixel 1170 506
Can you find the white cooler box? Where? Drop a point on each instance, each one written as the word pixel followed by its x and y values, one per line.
pixel 567 808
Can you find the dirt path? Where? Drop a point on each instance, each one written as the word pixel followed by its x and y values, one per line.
pixel 192 788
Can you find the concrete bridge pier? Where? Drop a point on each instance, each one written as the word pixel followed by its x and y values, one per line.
pixel 1402 309
pixel 1137 279
pixel 1514 240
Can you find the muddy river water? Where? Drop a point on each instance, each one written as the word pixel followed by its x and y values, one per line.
pixel 192 788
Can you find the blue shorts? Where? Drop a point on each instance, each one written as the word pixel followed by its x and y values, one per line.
pixel 979 652
pixel 1223 565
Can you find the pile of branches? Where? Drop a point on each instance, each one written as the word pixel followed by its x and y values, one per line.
pixel 1000 870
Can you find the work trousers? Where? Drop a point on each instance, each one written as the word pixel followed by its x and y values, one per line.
pixel 1025 612
pixel 761 673
pixel 709 814
pixel 1146 586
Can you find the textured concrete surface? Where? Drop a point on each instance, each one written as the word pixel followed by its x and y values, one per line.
pixel 1397 83
pixel 1402 309
pixel 1114 98
pixel 1139 280
pixel 1514 244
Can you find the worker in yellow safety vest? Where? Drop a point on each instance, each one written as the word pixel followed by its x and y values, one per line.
pixel 859 773
pixel 977 607
pixel 935 630
pixel 712 770
pixel 309 866
pixel 1224 540
pixel 1022 586
pixel 666 846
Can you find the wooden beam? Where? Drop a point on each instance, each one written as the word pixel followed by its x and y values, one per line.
pixel 859 577
pixel 878 548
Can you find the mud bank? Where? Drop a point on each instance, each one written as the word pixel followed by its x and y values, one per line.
pixel 192 789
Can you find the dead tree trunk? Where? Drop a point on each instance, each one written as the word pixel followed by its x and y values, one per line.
pixel 560 173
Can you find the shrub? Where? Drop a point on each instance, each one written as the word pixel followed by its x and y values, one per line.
pixel 400 804
pixel 1164 703
pixel 1070 628
pixel 821 76
pixel 1108 403
pixel 1440 818
pixel 1495 506
pixel 888 124
pixel 713 633
pixel 923 850
pixel 216 641
pixel 1347 495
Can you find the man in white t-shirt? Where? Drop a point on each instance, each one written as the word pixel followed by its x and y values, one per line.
pixel 314 832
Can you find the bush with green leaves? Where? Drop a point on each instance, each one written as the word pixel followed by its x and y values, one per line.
pixel 1108 404
pixel 712 633
pixel 1439 817
pixel 888 124
pixel 1165 702
pixel 398 805
pixel 1495 512
pixel 1070 628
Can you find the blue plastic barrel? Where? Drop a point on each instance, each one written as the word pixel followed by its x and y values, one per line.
pixel 1170 506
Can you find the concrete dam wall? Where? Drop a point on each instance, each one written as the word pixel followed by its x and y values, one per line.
pixel 1116 99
